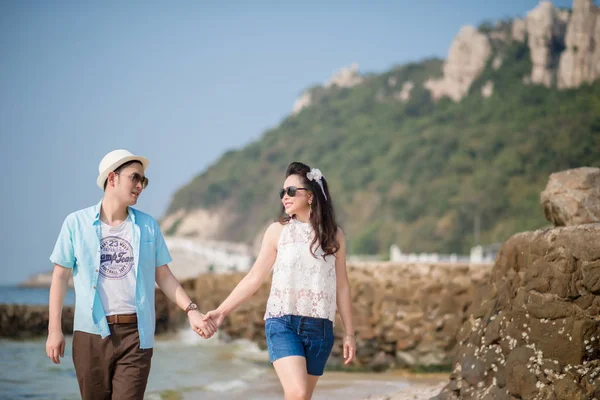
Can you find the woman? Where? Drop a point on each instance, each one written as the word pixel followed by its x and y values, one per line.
pixel 309 278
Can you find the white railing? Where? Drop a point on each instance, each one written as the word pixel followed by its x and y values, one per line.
pixel 477 256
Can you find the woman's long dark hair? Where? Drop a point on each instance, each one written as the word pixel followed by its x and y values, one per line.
pixel 322 216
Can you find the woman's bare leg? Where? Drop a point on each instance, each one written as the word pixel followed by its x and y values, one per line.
pixel 312 382
pixel 293 377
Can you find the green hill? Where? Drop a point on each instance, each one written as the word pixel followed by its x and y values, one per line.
pixel 416 173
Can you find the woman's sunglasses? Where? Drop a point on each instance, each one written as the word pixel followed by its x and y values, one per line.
pixel 290 190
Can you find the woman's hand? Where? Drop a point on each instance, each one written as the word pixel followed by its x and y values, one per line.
pixel 215 316
pixel 203 328
pixel 349 348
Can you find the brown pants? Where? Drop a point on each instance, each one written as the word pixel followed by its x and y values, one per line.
pixel 111 368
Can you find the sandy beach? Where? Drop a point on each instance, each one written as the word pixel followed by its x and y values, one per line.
pixel 420 387
pixel 413 392
pixel 332 386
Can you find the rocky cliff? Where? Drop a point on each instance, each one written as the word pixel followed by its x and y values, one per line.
pixel 533 332
pixel 346 77
pixel 467 58
pixel 545 37
pixel 580 61
pixel 562 44
pixel 562 48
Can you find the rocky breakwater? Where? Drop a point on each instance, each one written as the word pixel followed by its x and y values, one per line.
pixel 406 315
pixel 534 331
pixel 26 321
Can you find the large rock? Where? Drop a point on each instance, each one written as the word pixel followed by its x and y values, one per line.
pixel 519 30
pixel 346 77
pixel 580 62
pixel 404 94
pixel 305 100
pixel 534 331
pixel 545 27
pixel 467 58
pixel 572 197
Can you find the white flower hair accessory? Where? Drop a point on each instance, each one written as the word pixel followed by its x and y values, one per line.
pixel 316 175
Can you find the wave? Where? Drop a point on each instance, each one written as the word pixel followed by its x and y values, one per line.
pixel 249 351
pixel 226 386
pixel 240 348
pixel 187 337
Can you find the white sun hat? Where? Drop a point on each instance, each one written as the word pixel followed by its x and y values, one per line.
pixel 114 160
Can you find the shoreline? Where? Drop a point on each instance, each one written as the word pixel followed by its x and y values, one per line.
pixel 332 386
pixel 421 386
pixel 229 371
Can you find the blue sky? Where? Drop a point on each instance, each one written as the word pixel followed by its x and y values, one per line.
pixel 178 82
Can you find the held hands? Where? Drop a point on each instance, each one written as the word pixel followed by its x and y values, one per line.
pixel 349 348
pixel 203 328
pixel 55 346
pixel 215 316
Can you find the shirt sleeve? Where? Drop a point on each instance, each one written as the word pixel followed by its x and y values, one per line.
pixel 162 252
pixel 64 254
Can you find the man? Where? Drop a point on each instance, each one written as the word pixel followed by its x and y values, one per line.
pixel 116 254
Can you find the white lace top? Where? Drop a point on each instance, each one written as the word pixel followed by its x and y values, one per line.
pixel 302 284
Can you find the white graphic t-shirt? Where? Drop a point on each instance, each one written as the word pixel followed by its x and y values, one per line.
pixel 116 281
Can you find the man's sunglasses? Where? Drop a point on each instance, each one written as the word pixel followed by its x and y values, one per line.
pixel 290 190
pixel 137 178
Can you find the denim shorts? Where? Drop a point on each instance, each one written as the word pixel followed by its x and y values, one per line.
pixel 292 335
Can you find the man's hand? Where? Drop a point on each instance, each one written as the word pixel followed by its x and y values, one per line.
pixel 203 328
pixel 55 346
pixel 215 316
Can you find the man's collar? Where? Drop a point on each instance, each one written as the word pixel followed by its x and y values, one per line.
pixel 98 208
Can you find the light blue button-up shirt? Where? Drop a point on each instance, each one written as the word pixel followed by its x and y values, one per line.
pixel 78 247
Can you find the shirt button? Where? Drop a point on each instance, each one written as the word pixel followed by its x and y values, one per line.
pixel 94 286
pixel 96 269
